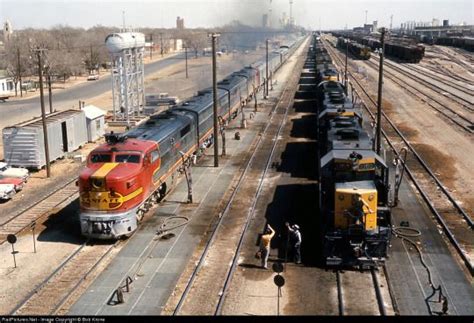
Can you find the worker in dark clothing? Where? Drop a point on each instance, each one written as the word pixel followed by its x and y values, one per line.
pixel 295 233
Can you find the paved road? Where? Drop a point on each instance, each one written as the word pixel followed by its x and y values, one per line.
pixel 16 111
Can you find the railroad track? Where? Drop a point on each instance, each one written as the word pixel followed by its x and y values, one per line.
pixel 239 209
pixel 444 71
pixel 454 220
pixel 49 297
pixel 460 88
pixel 34 213
pixel 412 74
pixel 366 298
pixel 445 110
pixel 455 59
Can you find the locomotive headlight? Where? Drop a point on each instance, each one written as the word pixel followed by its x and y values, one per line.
pixel 341 197
pixel 97 182
pixel 371 197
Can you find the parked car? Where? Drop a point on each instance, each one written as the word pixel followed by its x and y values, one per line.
pixel 7 191
pixel 93 77
pixel 14 172
pixel 17 182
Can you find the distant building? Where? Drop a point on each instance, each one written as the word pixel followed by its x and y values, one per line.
pixel 375 26
pixel 7 30
pixel 265 21
pixel 435 22
pixel 180 23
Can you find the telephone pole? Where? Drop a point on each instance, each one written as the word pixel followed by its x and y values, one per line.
pixel 39 53
pixel 266 73
pixel 366 17
pixel 186 57
pixel 214 90
pixel 151 47
pixel 379 99
pixel 161 42
pixel 19 70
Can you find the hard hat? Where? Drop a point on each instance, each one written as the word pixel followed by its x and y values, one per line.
pixel 296 227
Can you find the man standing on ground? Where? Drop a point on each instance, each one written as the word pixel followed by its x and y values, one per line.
pixel 265 245
pixel 294 230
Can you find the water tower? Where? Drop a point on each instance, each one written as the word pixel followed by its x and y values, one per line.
pixel 128 90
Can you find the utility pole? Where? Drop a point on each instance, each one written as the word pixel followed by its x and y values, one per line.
pixel 391 20
pixel 345 69
pixel 214 87
pixel 366 17
pixel 39 53
pixel 266 73
pixel 19 70
pixel 151 47
pixel 379 99
pixel 90 71
pixel 186 57
pixel 161 41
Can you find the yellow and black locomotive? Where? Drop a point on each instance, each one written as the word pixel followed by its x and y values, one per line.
pixel 353 181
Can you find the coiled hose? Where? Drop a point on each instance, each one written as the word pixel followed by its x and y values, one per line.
pixel 406 234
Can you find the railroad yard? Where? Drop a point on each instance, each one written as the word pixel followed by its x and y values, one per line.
pixel 148 220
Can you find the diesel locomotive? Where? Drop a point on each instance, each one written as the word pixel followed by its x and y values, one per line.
pixel 353 181
pixel 357 50
pixel 130 172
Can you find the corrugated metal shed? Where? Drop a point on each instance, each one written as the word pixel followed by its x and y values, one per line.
pixel 95 120
pixel 23 144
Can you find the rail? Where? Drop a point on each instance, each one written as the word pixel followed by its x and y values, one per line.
pixel 451 236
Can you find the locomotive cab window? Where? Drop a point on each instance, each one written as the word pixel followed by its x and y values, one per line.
pixel 185 130
pixel 127 158
pixel 154 156
pixel 101 158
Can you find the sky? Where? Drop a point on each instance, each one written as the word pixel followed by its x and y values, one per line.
pixel 328 14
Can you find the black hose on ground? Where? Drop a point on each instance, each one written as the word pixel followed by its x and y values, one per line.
pixel 405 233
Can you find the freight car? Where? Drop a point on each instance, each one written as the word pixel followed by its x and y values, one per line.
pixel 466 43
pixel 130 172
pixel 353 184
pixel 401 48
pixel 357 50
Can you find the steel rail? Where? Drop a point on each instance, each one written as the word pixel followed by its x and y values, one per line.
pixel 408 87
pixel 45 281
pixel 255 199
pixel 425 197
pixel 340 297
pixel 415 153
pixel 227 207
pixel 378 292
pixel 419 70
pixel 32 207
pixel 431 85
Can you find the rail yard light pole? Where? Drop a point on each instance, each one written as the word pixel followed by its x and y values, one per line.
pixel 214 90
pixel 379 98
pixel 39 53
pixel 266 73
pixel 345 69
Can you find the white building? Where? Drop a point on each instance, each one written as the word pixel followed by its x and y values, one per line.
pixel 7 87
pixel 95 121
